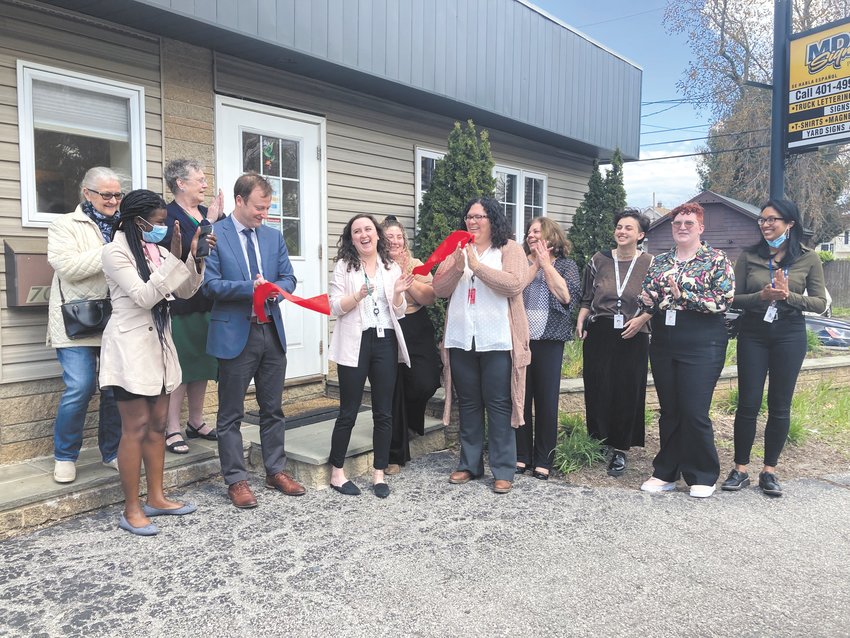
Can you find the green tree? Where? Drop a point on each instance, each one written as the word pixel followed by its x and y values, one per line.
pixel 593 224
pixel 464 173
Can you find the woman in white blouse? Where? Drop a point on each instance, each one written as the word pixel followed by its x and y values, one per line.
pixel 486 337
pixel 367 297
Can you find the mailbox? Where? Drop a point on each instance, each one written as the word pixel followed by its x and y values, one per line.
pixel 28 275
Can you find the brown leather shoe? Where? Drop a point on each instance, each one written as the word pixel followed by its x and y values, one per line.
pixel 460 477
pixel 282 482
pixel 501 486
pixel 392 469
pixel 241 495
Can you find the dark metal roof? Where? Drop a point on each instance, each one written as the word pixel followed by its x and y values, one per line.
pixel 504 63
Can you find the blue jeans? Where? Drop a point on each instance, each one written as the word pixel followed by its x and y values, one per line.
pixel 79 372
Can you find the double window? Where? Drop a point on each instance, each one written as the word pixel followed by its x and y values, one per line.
pixel 521 193
pixel 68 123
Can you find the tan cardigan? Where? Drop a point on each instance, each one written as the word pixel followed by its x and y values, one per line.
pixel 509 282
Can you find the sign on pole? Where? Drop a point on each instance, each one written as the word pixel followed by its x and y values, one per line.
pixel 819 87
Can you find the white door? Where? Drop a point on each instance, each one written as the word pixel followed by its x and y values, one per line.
pixel 286 148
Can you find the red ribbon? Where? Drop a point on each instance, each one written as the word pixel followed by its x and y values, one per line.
pixel 265 291
pixel 446 248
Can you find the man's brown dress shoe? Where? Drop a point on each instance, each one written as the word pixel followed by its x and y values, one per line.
pixel 501 486
pixel 241 495
pixel 460 477
pixel 282 482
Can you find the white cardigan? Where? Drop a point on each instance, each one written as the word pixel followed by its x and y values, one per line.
pixel 345 341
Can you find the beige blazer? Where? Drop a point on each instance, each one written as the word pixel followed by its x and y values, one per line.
pixel 345 341
pixel 131 355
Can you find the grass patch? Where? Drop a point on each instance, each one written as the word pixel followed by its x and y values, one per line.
pixel 728 404
pixel 841 313
pixel 573 357
pixel 812 342
pixel 822 409
pixel 731 353
pixel 575 449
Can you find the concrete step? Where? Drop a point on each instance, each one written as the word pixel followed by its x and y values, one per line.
pixel 29 498
pixel 308 449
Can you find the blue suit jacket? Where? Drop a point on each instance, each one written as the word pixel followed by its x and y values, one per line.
pixel 228 283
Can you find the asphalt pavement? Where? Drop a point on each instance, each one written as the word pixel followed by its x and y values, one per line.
pixel 436 559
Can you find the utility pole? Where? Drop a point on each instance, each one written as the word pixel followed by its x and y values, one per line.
pixel 781 33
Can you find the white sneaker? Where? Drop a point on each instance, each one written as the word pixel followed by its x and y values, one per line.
pixel 702 491
pixel 64 471
pixel 657 485
pixel 113 464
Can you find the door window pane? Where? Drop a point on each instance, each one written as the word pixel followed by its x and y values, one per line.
pixel 506 194
pixel 277 160
pixel 533 199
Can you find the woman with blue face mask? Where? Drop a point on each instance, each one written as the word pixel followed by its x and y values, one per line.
pixel 771 280
pixel 138 358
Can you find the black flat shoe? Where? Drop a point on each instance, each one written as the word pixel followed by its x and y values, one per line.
pixel 617 465
pixel 521 470
pixel 348 488
pixel 540 475
pixel 769 485
pixel 382 490
pixel 195 433
pixel 735 481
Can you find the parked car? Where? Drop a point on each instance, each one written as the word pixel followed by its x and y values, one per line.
pixel 831 332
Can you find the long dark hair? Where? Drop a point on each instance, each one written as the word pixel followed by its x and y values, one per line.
pixel 794 243
pixel 142 203
pixel 348 253
pixel 500 230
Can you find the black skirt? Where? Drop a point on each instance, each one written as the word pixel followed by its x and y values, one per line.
pixel 615 384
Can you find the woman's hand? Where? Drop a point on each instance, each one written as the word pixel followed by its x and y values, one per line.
pixel 176 247
pixel 648 298
pixel 402 283
pixel 581 333
pixel 361 294
pixel 194 248
pixel 675 291
pixel 216 207
pixel 472 257
pixel 633 325
pixel 542 254
pixel 778 291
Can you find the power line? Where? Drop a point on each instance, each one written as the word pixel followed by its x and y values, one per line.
pixel 631 15
pixel 728 150
pixel 661 111
pixel 669 130
pixel 694 139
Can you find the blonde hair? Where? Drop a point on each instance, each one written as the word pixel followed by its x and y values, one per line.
pixel 391 221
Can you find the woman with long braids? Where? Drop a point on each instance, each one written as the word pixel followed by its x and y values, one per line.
pixel 138 358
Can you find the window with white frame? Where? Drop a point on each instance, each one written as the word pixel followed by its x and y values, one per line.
pixel 846 237
pixel 827 247
pixel 68 123
pixel 426 162
pixel 522 195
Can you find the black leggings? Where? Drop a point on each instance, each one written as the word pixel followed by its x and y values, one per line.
pixel 777 349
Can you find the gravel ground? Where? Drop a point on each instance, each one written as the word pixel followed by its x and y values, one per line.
pixel 441 560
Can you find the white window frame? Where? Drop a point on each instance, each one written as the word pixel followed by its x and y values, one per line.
pixel 521 174
pixel 420 153
pixel 29 71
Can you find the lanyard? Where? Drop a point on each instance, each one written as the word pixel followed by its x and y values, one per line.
pixel 772 280
pixel 622 288
pixel 369 289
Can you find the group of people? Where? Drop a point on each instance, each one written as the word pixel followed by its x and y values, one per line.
pixel 182 316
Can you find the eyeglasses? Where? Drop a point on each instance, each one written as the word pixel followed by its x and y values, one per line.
pixel 761 221
pixel 200 180
pixel 107 196
pixel 686 224
pixel 475 218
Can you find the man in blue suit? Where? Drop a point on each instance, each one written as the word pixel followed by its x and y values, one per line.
pixel 248 254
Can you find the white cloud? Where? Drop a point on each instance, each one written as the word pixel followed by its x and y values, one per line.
pixel 672 181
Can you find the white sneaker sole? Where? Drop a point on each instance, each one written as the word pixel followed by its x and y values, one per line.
pixel 703 491
pixel 655 489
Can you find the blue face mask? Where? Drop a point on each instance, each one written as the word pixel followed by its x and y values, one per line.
pixel 155 235
pixel 776 243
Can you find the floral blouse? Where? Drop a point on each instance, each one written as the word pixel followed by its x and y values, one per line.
pixel 706 281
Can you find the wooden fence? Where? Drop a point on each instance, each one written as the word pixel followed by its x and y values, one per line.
pixel 838 281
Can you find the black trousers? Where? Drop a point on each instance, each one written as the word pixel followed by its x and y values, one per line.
pixel 777 349
pixel 535 444
pixel 686 362
pixel 614 374
pixel 482 382
pixel 264 360
pixel 379 363
pixel 414 385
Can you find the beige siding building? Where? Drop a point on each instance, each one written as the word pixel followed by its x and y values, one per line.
pixel 116 88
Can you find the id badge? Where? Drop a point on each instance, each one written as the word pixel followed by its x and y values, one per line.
pixel 670 318
pixel 380 332
pixel 618 321
pixel 770 314
pixel 470 297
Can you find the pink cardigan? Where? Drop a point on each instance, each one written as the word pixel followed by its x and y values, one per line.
pixel 509 282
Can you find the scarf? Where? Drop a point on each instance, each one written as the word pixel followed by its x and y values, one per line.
pixel 104 223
